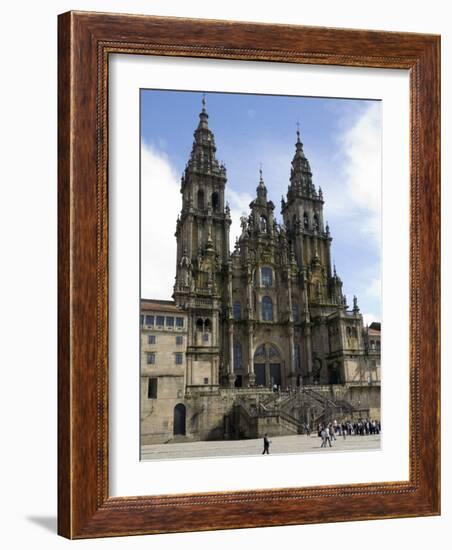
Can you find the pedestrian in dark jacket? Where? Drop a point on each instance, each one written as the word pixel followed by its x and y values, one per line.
pixel 266 445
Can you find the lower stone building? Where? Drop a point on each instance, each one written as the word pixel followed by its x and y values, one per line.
pixel 172 409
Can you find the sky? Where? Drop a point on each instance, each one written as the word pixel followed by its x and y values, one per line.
pixel 342 140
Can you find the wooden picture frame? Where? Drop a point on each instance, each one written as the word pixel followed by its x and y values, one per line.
pixel 86 40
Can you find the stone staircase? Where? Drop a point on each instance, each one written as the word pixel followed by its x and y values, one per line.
pixel 286 413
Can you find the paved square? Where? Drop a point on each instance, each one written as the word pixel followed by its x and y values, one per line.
pixel 250 447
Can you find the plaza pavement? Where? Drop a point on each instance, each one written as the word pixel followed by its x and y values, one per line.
pixel 251 447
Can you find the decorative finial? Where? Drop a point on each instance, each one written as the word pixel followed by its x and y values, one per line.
pixel 203 101
pixel 355 305
pixel 298 131
pixel 260 172
pixel 334 270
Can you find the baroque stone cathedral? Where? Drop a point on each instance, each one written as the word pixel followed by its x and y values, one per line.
pixel 267 341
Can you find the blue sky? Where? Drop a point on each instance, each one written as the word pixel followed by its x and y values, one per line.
pixel 342 140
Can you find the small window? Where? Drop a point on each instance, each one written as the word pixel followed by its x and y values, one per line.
pixel 264 224
pixel 179 321
pixel 199 325
pixel 170 321
pixel 237 311
pixel 267 277
pixel 160 321
pixel 201 199
pixel 215 201
pixel 152 388
pixel 179 340
pixel 142 319
pixel 207 325
pixel 378 344
pixel 178 359
pixel 150 320
pixel 305 221
pixel 267 309
pixel 205 337
pixel 206 380
pixel 151 339
pixel 151 358
pixel 295 313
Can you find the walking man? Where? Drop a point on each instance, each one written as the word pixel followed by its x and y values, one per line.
pixel 266 445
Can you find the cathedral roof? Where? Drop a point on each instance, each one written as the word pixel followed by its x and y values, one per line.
pixel 167 306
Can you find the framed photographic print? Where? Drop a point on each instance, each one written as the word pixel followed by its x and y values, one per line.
pixel 248 275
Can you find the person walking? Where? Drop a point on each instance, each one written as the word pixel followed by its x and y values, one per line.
pixel 328 436
pixel 331 432
pixel 266 445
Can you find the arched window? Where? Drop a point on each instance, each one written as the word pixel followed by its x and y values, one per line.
pixel 207 325
pixel 305 221
pixel 237 355
pixel 267 276
pixel 201 199
pixel 264 224
pixel 294 222
pixel 267 309
pixel 215 201
pixel 237 311
pixel 199 325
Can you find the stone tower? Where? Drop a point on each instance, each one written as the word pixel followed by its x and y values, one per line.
pixel 202 233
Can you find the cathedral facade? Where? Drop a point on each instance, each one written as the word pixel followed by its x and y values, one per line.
pixel 270 343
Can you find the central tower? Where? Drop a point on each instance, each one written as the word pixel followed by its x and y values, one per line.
pixel 202 233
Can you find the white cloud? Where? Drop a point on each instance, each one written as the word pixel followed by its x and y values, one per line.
pixel 361 148
pixel 239 204
pixel 369 318
pixel 373 290
pixel 160 206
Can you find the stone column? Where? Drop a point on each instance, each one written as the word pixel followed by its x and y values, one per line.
pixel 231 375
pixel 292 378
pixel 308 348
pixel 189 237
pixel 250 366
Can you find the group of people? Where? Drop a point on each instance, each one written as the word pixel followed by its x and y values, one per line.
pixel 329 431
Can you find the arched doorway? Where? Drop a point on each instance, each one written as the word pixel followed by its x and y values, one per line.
pixel 334 374
pixel 267 365
pixel 179 419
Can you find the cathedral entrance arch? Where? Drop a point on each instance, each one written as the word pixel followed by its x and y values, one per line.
pixel 267 365
pixel 334 375
pixel 179 419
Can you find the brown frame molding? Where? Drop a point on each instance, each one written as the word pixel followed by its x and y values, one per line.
pixel 84 44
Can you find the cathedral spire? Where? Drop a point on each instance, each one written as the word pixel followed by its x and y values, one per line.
pixel 300 174
pixel 202 158
pixel 261 189
pixel 203 116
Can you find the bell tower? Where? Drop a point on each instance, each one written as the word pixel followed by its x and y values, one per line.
pixel 202 233
pixel 303 218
